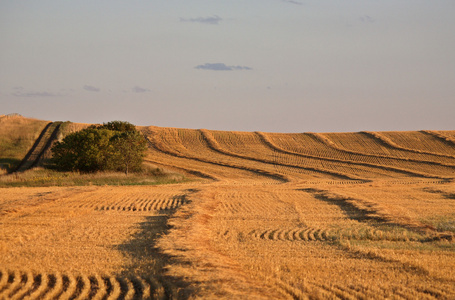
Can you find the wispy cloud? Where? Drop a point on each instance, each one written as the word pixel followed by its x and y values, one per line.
pixel 220 67
pixel 138 89
pixel 91 88
pixel 367 19
pixel 213 20
pixel 293 2
pixel 21 92
pixel 34 94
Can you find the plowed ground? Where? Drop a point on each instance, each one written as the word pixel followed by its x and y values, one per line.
pixel 268 216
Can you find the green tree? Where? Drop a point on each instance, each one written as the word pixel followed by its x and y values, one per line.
pixel 129 151
pixel 112 146
pixel 116 126
pixel 87 150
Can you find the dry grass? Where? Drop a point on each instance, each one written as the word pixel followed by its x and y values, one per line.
pixel 17 136
pixel 273 216
pixel 39 177
pixel 64 234
pixel 299 243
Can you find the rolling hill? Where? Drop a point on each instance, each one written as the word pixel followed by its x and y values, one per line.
pixel 365 215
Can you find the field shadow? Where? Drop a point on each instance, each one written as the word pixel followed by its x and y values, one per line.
pixel 443 194
pixel 144 257
pixel 9 164
pixel 146 260
pixel 424 232
pixel 349 209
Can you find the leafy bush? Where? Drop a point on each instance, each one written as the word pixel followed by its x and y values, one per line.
pixel 116 126
pixel 113 146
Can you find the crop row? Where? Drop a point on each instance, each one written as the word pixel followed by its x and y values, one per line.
pixel 29 285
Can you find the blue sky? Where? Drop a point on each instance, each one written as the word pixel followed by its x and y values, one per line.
pixel 269 65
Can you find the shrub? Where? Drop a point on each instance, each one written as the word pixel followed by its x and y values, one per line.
pixel 113 146
pixel 116 126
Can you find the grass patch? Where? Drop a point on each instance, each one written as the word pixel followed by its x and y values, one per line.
pixel 17 136
pixel 441 223
pixel 399 245
pixel 388 236
pixel 373 231
pixel 40 177
pixel 8 164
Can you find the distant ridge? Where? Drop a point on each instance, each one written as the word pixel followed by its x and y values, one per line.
pixel 13 115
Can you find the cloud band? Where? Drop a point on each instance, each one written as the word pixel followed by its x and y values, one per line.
pixel 220 67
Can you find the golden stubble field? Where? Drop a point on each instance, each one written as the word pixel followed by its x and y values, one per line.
pixel 269 216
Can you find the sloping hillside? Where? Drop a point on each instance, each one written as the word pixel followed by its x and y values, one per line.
pixel 366 215
pixel 306 156
pixel 17 137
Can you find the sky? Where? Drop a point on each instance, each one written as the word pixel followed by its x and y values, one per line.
pixel 246 65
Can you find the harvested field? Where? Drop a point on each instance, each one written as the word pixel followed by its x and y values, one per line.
pixel 267 216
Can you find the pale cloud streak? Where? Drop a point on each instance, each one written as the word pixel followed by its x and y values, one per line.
pixel 213 20
pixel 220 67
pixel 138 89
pixel 293 2
pixel 367 19
pixel 90 88
pixel 21 92
pixel 34 94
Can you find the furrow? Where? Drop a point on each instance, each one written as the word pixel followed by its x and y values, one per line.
pixel 165 204
pixel 275 147
pixel 433 292
pixel 446 139
pixel 153 205
pixel 141 204
pixel 27 283
pixel 116 289
pixel 325 234
pixel 144 205
pixel 163 149
pixel 255 234
pixel 392 144
pixel 168 204
pixel 43 281
pixel 286 236
pixel 99 289
pixel 311 234
pixel 214 145
pixel 57 288
pixel 304 234
pixel 70 284
pixel 291 291
pixel 329 143
pixel 143 288
pixel 359 292
pixel 265 234
pixel 160 204
pixel 15 284
pixel 278 235
pixel 127 287
pixel 296 234
pixel 3 279
pixel 84 287
pixel 185 170
pixel 158 289
pixel 318 235
pixel 339 293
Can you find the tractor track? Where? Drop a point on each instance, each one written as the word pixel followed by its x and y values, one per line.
pixel 39 148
